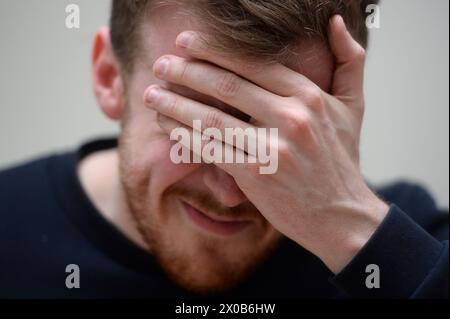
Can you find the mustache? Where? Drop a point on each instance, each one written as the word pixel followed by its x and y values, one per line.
pixel 207 202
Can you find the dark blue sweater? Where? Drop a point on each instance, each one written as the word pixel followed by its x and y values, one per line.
pixel 47 222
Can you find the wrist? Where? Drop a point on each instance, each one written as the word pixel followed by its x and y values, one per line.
pixel 352 233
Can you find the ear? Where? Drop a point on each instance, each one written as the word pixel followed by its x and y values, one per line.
pixel 107 80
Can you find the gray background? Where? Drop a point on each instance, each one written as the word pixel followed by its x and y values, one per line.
pixel 47 103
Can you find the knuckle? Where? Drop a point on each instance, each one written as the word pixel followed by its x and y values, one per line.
pixel 251 68
pixel 360 54
pixel 173 105
pixel 283 149
pixel 297 124
pixel 284 152
pixel 314 99
pixel 228 84
pixel 213 119
pixel 184 72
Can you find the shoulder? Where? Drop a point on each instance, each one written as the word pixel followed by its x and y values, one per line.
pixel 17 181
pixel 23 169
pixel 28 189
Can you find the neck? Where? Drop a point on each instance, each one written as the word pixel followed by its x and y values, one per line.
pixel 100 177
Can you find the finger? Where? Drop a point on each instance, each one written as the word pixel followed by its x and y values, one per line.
pixel 273 77
pixel 187 112
pixel 187 137
pixel 209 151
pixel 218 83
pixel 350 59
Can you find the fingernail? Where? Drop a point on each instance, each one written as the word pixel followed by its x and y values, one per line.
pixel 162 66
pixel 152 95
pixel 185 39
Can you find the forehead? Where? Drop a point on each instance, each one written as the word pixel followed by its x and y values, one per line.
pixel 163 24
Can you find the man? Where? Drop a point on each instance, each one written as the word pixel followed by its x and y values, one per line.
pixel 127 221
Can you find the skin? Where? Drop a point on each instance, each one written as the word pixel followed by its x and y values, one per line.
pixel 318 196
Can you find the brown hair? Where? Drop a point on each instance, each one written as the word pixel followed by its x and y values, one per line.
pixel 267 29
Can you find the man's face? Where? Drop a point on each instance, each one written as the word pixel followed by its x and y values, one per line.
pixel 197 222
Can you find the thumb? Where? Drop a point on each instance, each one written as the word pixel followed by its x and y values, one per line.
pixel 350 59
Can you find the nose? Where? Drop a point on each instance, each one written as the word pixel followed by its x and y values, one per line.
pixel 224 187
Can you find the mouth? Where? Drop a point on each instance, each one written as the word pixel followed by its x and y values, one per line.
pixel 214 224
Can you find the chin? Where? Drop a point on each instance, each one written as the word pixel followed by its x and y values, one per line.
pixel 203 256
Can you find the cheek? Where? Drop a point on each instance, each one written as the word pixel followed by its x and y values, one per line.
pixel 164 172
pixel 147 146
pixel 147 153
